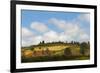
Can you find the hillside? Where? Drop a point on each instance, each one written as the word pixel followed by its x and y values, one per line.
pixel 51 50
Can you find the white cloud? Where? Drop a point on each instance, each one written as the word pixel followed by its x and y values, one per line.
pixel 31 40
pixel 47 37
pixel 40 27
pixel 69 28
pixel 59 23
pixel 26 36
pixel 71 32
pixel 84 37
pixel 50 36
pixel 29 37
pixel 84 17
pixel 26 32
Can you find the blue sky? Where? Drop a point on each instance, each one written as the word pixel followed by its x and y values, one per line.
pixel 43 16
pixel 57 22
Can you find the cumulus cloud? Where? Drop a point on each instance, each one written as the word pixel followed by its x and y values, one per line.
pixel 50 36
pixel 33 40
pixel 59 23
pixel 69 28
pixel 26 32
pixel 71 32
pixel 38 26
pixel 27 36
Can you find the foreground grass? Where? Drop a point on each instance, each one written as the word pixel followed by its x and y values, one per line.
pixel 53 58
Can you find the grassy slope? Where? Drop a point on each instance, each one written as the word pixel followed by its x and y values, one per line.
pixel 57 56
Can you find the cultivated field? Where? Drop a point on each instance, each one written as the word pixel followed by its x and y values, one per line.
pixel 58 52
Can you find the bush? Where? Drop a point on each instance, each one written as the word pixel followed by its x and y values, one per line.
pixel 67 52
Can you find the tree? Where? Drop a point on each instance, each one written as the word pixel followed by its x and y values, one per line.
pixel 39 47
pixel 40 42
pixel 31 48
pixel 72 42
pixel 43 42
pixel 83 47
pixel 67 52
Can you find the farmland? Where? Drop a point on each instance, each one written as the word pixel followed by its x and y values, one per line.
pixel 54 52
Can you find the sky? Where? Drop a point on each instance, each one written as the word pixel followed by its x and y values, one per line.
pixel 52 26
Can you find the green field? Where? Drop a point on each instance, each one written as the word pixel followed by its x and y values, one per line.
pixel 57 52
pixel 54 58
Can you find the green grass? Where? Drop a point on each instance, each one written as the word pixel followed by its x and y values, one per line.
pixel 53 58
